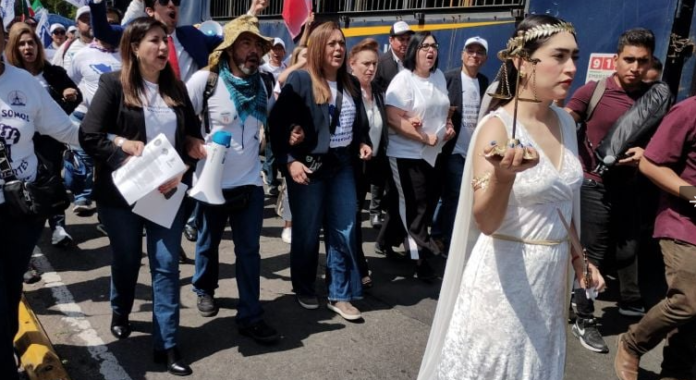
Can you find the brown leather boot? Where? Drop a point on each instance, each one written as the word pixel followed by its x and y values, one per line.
pixel 625 363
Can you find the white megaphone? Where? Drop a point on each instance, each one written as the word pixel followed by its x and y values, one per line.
pixel 208 188
pixel 211 28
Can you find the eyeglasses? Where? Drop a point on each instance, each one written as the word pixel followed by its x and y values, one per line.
pixel 164 3
pixel 435 46
pixel 59 32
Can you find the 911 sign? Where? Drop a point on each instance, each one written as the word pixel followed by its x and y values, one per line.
pixel 601 65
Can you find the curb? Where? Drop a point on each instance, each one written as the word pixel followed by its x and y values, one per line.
pixel 39 359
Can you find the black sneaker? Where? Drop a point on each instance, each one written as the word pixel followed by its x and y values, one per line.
pixel 590 338
pixel 190 233
pixel 633 309
pixel 425 272
pixel 207 306
pixel 261 332
pixel 308 302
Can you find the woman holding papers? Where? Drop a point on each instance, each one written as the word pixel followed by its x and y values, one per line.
pixel 419 124
pixel 131 108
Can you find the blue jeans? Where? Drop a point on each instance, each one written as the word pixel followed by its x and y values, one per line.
pixel 269 166
pixel 18 236
pixel 328 200
pixel 79 170
pixel 454 170
pixel 126 236
pixel 246 233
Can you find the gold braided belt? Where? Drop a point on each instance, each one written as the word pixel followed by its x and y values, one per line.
pixel 528 241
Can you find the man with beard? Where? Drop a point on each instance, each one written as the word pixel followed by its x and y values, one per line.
pixel 65 54
pixel 231 96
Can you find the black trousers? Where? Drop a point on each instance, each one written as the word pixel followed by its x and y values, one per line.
pixel 412 196
pixel 610 229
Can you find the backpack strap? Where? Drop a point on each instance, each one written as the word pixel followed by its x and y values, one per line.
pixel 596 97
pixel 210 86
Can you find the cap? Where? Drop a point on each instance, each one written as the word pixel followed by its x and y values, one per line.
pixel 72 29
pixel 399 28
pixel 55 27
pixel 278 41
pixel 81 11
pixel 477 40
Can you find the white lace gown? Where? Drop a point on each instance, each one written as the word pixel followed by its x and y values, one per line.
pixel 508 322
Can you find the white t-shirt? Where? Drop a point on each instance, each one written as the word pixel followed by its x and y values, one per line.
pixel 268 68
pixel 471 102
pixel 426 98
pixel 242 164
pixel 159 117
pixel 187 66
pixel 343 135
pixel 25 108
pixel 86 68
pixel 374 118
pixel 65 60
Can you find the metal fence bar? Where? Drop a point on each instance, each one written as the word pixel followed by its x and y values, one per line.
pixel 234 8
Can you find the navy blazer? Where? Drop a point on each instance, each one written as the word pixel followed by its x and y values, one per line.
pixel 296 106
pixel 108 114
pixel 196 44
pixel 454 89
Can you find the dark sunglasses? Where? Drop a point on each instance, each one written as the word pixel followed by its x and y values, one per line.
pixel 164 3
pixel 59 32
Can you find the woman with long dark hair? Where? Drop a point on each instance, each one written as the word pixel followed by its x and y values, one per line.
pixel 24 50
pixel 131 108
pixel 324 102
pixel 501 309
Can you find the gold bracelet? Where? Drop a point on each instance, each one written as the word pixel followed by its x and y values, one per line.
pixel 481 182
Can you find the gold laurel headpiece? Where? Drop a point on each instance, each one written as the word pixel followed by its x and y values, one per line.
pixel 515 45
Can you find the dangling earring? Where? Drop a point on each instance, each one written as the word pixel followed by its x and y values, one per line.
pixel 533 80
pixel 503 90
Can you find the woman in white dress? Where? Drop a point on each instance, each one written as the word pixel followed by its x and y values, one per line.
pixel 501 308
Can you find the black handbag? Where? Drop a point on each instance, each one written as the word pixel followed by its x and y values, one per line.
pixel 42 198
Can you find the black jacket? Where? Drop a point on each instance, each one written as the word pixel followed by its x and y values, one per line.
pixel 296 106
pixel 49 150
pixel 454 89
pixel 109 114
pixel 387 68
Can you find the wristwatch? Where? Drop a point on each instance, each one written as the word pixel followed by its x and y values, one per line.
pixel 119 141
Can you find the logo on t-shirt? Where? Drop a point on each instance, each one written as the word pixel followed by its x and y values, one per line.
pixel 17 98
pixel 101 68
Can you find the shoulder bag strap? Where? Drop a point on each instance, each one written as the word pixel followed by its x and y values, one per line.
pixel 210 85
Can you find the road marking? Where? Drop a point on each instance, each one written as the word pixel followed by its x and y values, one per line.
pixel 75 318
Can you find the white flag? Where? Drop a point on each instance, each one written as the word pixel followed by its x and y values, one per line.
pixel 78 3
pixel 7 11
pixel 42 26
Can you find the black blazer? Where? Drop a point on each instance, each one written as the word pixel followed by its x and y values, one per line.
pixel 109 114
pixel 49 150
pixel 387 68
pixel 296 106
pixel 454 88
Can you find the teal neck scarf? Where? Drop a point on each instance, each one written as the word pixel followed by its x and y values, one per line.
pixel 247 94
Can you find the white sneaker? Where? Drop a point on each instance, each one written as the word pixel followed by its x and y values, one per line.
pixel 286 235
pixel 60 238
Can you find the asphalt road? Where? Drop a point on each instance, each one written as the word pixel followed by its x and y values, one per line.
pixel 72 303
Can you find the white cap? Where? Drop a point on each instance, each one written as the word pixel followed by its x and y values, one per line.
pixel 72 29
pixel 81 11
pixel 55 27
pixel 477 40
pixel 399 28
pixel 278 41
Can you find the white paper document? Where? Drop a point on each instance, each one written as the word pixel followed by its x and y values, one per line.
pixel 158 209
pixel 139 176
pixel 429 153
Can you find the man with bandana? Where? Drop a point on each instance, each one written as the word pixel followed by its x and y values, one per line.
pixel 238 104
